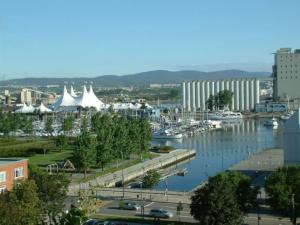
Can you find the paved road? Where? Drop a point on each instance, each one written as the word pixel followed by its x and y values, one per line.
pixel 113 209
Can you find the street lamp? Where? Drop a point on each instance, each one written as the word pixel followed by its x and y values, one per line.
pixel 293 208
pixel 123 186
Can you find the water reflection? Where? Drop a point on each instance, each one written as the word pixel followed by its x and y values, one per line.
pixel 218 150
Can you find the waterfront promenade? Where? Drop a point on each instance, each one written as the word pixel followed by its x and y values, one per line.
pixel 127 174
pixel 268 160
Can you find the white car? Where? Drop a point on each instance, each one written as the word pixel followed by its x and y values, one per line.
pixel 160 213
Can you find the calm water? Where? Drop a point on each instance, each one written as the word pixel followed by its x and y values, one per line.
pixel 218 150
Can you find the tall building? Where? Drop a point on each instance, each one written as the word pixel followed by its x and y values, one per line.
pixel 25 96
pixel 286 74
pixel 245 93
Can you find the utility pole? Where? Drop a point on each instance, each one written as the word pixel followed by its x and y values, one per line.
pixel 293 208
pixel 123 185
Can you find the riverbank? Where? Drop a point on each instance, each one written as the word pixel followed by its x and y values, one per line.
pixel 127 174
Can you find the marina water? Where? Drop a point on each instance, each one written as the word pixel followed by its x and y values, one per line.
pixel 218 150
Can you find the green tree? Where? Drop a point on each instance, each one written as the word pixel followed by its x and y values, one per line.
pixel 52 191
pixel 75 216
pixel 145 135
pixel 103 127
pixel 151 179
pixel 20 206
pixel 84 151
pixel 175 94
pixel 134 135
pixel 240 184
pixel 215 204
pixel 61 142
pixel 233 190
pixel 283 188
pixel 221 100
pixel 49 125
pixel 210 102
pixel 68 124
pixel 120 136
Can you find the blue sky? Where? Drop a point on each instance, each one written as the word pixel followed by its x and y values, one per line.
pixel 97 37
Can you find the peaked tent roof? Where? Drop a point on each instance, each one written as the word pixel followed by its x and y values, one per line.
pixel 65 100
pixel 42 108
pixel 25 109
pixel 94 98
pixel 83 100
pixel 72 92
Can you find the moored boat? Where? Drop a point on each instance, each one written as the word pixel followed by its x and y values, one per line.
pixel 272 122
pixel 166 134
pixel 224 115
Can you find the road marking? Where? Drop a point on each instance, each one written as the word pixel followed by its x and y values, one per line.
pixel 149 204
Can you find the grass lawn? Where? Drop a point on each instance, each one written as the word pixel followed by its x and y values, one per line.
pixel 50 157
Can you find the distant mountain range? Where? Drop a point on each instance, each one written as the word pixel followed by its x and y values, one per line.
pixel 138 79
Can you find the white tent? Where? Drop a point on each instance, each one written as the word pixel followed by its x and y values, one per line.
pixel 88 99
pixel 64 101
pixel 72 92
pixel 95 102
pixel 25 109
pixel 43 109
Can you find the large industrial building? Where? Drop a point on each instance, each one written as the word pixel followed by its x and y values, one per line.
pixel 291 139
pixel 286 74
pixel 245 93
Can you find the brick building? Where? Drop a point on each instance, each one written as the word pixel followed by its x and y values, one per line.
pixel 12 171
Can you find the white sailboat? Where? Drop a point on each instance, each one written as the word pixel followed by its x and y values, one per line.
pixel 272 122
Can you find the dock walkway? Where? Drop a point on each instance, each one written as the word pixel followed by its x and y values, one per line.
pixel 130 173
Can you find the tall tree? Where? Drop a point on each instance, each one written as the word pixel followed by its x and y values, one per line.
pixel 52 191
pixel 145 135
pixel 61 142
pixel 68 124
pixel 120 137
pixel 215 204
pixel 283 188
pixel 84 151
pixel 103 127
pixel 151 179
pixel 20 206
pixel 227 195
pixel 49 125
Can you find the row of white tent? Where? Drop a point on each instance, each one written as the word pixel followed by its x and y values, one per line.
pixel 30 109
pixel 87 99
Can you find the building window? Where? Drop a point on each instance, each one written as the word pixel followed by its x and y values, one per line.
pixel 2 176
pixel 2 189
pixel 19 172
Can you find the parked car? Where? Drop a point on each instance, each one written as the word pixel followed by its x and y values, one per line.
pixel 138 184
pixel 160 213
pixel 129 205
pixel 98 222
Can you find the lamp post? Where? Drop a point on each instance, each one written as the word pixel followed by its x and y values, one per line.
pixel 293 208
pixel 123 186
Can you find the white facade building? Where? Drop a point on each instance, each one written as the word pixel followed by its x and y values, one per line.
pixel 291 139
pixel 245 93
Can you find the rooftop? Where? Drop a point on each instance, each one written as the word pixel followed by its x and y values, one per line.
pixel 7 161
